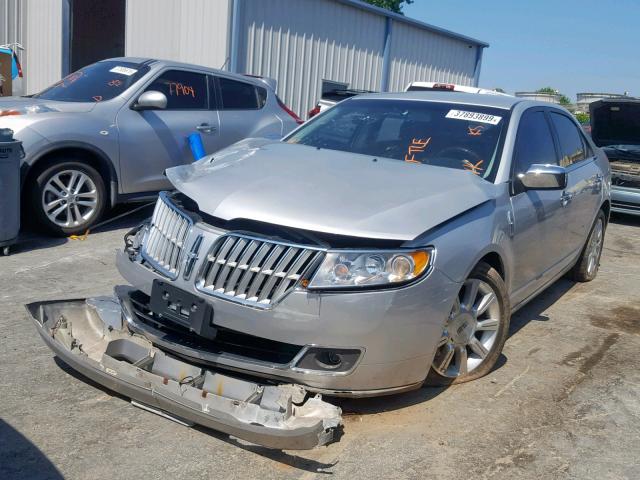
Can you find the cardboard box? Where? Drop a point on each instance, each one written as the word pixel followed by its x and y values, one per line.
pixel 6 61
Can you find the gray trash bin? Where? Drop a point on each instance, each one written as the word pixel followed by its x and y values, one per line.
pixel 11 153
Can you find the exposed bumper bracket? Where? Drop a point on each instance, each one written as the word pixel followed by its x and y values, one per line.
pixel 90 336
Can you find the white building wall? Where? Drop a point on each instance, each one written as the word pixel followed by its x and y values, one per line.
pixel 302 42
pixel 37 25
pixel 11 21
pixel 193 31
pixel 422 55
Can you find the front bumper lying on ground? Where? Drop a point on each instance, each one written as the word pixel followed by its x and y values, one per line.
pixel 89 335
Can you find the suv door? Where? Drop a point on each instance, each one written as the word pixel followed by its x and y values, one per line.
pixel 151 141
pixel 537 214
pixel 243 113
pixel 581 198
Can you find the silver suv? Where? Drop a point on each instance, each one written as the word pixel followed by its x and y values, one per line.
pixel 383 244
pixel 106 133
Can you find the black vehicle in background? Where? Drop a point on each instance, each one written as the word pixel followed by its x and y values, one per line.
pixel 615 127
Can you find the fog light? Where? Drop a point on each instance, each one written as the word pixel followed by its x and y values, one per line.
pixel 329 359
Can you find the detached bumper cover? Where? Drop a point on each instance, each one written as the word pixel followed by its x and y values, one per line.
pixel 89 336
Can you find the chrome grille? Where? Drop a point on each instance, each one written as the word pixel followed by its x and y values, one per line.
pixel 253 270
pixel 164 242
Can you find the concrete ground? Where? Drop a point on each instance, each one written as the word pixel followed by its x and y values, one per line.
pixel 564 401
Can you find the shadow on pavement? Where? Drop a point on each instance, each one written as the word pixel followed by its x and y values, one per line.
pixel 623 219
pixel 122 216
pixel 21 459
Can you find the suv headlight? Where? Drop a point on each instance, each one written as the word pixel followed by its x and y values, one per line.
pixel 358 269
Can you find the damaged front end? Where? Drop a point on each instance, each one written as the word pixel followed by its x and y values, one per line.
pixel 91 337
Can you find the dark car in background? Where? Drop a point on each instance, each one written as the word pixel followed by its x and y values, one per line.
pixel 615 127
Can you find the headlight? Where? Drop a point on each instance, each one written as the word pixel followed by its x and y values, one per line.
pixel 345 269
pixel 26 110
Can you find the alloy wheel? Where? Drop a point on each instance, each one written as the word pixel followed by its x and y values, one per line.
pixel 594 247
pixel 69 198
pixel 471 330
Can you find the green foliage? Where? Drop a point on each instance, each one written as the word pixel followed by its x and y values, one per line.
pixel 583 118
pixel 564 100
pixel 393 5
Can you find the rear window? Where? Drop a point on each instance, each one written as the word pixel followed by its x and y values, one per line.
pixel 240 95
pixel 571 144
pixel 95 83
pixel 464 137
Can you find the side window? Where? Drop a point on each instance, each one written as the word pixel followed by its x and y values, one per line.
pixel 240 95
pixel 571 144
pixel 184 90
pixel 534 143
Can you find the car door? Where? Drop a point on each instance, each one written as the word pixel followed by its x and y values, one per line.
pixel 581 198
pixel 243 113
pixel 537 215
pixel 151 141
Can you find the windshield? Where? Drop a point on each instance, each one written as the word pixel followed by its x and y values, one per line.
pixel 448 135
pixel 95 83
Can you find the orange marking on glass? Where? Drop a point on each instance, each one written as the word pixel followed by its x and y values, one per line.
pixel 474 168
pixel 476 131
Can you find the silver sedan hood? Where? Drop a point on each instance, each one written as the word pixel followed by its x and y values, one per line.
pixel 328 191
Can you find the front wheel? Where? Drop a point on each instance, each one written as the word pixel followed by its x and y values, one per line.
pixel 475 331
pixel 68 198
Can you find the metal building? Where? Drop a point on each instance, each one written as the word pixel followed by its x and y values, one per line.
pixel 584 99
pixel 301 43
pixel 540 97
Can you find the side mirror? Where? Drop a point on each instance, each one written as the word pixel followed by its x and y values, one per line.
pixel 544 177
pixel 151 100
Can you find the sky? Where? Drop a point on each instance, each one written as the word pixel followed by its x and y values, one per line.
pixel 573 46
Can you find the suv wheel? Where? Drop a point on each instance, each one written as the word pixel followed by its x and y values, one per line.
pixel 475 331
pixel 68 198
pixel 586 268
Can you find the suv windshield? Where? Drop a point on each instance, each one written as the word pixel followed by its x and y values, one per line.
pixel 465 137
pixel 95 83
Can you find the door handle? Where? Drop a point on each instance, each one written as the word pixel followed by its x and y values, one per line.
pixel 597 182
pixel 206 128
pixel 566 198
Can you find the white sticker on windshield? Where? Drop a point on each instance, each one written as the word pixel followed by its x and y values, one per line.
pixel 474 117
pixel 123 70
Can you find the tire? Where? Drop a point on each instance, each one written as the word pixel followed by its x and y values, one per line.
pixel 480 336
pixel 586 267
pixel 70 187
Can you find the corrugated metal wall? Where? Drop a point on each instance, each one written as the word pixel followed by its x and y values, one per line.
pixel 11 24
pixel 37 25
pixel 421 55
pixel 194 31
pixel 302 42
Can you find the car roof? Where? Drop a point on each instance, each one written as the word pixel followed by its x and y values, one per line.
pixel 496 101
pixel 170 63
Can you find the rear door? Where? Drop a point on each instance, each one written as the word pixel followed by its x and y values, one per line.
pixel 154 140
pixel 537 214
pixel 244 112
pixel 581 199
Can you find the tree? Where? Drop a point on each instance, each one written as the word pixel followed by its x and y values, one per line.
pixel 549 90
pixel 583 118
pixel 564 100
pixel 393 5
